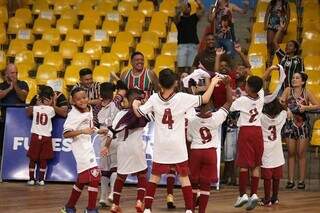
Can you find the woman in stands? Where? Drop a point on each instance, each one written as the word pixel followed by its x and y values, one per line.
pixel 297 130
pixel 278 12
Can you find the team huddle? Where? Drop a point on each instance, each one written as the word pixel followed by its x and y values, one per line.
pixel 179 119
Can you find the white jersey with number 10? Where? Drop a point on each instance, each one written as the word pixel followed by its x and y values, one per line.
pixel 41 122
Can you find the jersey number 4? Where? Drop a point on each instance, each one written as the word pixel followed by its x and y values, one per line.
pixel 253 114
pixel 42 118
pixel 205 134
pixel 167 118
pixel 273 135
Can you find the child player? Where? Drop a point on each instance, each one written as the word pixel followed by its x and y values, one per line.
pixel 40 149
pixel 203 130
pixel 79 127
pixel 170 149
pixel 250 140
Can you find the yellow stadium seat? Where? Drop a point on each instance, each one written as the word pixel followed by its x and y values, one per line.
pixel 25 35
pixel 16 46
pixel 170 49
pixel 125 7
pixel 111 61
pixel 172 37
pixel 113 2
pixel 291 33
pixel 52 35
pixel 41 25
pixel 147 8
pixel 257 59
pixel 54 59
pixel 151 38
pixel 46 72
pixel 315 139
pixel 84 6
pixel 48 15
pixel 134 2
pixel 82 60
pixel 126 69
pixel 101 37
pixel 134 28
pixel 75 36
pixel 159 28
pixel 114 16
pixel 312 63
pixel 94 49
pixel 310 26
pixel 101 74
pixel 125 38
pixel 64 25
pixel 159 17
pixel 3 35
pixel 24 14
pixel 3 14
pixel 111 27
pixel 146 49
pixel 313 77
pixel 71 75
pixel 162 62
pixel 26 58
pixel 261 7
pixel 93 16
pixel 33 88
pixel 60 5
pixel 173 28
pixel 70 14
pixel 167 8
pixel 23 70
pixel 103 7
pixel 313 34
pixel 39 6
pixel 137 17
pixel 3 60
pixel 121 50
pixel 308 48
pixel 174 3
pixel 41 48
pixel 67 49
pixel 87 27
pixel 15 24
pixel 258 49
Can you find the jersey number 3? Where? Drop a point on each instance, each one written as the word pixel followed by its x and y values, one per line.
pixel 205 134
pixel 167 118
pixel 273 135
pixel 253 114
pixel 42 118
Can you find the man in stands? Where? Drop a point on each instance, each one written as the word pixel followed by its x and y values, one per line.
pixel 207 56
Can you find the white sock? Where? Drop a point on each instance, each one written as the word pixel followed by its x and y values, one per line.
pixel 113 178
pixel 104 188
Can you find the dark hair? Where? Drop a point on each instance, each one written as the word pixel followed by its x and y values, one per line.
pixel 283 7
pixel 297 46
pixel 45 92
pixel 225 58
pixel 255 83
pixel 209 34
pixel 85 71
pixel 273 108
pixel 106 90
pixel 226 18
pixel 189 5
pixel 167 78
pixel 76 90
pixel 304 78
pixel 136 53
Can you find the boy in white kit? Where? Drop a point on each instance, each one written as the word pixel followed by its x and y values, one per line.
pixel 79 127
pixel 170 149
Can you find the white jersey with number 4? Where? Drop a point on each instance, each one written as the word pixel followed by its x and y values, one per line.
pixel 250 109
pixel 170 139
pixel 271 129
pixel 203 132
pixel 81 146
pixel 41 122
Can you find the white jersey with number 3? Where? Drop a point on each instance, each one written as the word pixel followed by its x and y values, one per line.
pixel 170 140
pixel 41 122
pixel 271 129
pixel 203 132
pixel 250 109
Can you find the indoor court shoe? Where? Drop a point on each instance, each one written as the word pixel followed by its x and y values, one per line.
pixel 188 211
pixel 68 210
pixel 290 185
pixel 265 203
pixel 301 185
pixel 147 211
pixel 252 202
pixel 91 211
pixel 274 200
pixel 241 201
pixel 115 209
pixel 170 202
pixel 139 206
pixel 104 204
pixel 40 183
pixel 30 182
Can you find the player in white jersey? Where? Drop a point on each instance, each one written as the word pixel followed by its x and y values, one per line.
pixel 40 149
pixel 110 106
pixel 250 141
pixel 170 149
pixel 203 131
pixel 79 127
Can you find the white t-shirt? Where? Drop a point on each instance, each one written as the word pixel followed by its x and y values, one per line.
pixel 271 129
pixel 41 122
pixel 203 132
pixel 81 145
pixel 250 109
pixel 170 139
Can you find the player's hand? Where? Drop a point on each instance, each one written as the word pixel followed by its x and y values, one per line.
pixel 220 51
pixel 274 67
pixel 88 131
pixel 136 103
pixel 226 80
pixel 302 108
pixel 282 25
pixel 216 79
pixel 237 47
pixel 103 131
pixel 104 151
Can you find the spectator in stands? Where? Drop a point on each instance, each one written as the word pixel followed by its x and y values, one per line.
pixel 207 56
pixel 278 12
pixel 139 76
pixel 225 36
pixel 289 59
pixel 92 89
pixel 297 131
pixel 187 35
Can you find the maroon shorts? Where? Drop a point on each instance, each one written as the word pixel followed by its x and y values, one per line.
pixel 40 148
pixel 181 168
pixel 89 175
pixel 249 147
pixel 271 173
pixel 203 165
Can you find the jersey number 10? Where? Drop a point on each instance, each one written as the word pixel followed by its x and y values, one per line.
pixel 42 119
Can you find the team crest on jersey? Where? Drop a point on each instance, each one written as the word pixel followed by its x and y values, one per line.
pixel 95 172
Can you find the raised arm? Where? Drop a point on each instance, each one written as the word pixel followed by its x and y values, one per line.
pixel 176 19
pixel 200 8
pixel 243 57
pixel 219 53
pixel 229 101
pixel 75 133
pixel 207 95
pixel 4 93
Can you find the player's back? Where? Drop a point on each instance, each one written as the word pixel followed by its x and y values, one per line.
pixel 41 122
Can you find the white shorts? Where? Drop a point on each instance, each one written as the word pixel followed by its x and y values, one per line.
pixel 230 145
pixel 186 54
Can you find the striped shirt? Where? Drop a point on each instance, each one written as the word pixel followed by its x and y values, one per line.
pixel 141 81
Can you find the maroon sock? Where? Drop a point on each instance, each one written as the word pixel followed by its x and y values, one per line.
pixel 204 196
pixel 142 183
pixel 75 194
pixel 188 197
pixel 267 189
pixel 243 181
pixel 195 189
pixel 118 185
pixel 93 190
pixel 171 178
pixel 32 166
pixel 275 187
pixel 43 168
pixel 254 184
pixel 151 190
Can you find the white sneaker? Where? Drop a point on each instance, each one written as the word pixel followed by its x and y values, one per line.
pixel 30 182
pixel 241 201
pixel 252 203
pixel 188 211
pixel 40 183
pixel 147 211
